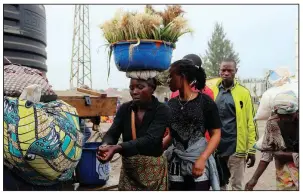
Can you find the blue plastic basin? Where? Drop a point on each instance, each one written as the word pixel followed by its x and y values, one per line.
pixel 147 55
pixel 89 170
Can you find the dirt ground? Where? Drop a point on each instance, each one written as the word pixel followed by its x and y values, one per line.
pixel 266 181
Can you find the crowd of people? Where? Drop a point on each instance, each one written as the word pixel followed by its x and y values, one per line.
pixel 200 139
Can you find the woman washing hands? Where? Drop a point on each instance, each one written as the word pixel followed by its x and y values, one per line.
pixel 142 123
pixel 106 152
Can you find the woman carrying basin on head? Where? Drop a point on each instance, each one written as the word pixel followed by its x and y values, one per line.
pixel 142 123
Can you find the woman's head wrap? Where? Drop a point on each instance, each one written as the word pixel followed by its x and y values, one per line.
pixel 285 103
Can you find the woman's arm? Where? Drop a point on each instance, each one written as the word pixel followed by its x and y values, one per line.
pixel 113 134
pixel 213 125
pixel 199 166
pixel 167 139
pixel 261 168
pixel 264 162
pixel 254 180
pixel 215 136
pixel 108 148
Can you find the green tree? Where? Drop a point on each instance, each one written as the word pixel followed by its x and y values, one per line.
pixel 219 48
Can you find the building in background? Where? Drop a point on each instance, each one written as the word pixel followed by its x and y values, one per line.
pixel 256 87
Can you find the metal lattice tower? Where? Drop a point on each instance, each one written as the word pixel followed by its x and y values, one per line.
pixel 81 56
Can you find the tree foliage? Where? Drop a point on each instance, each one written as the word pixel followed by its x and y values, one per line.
pixel 219 48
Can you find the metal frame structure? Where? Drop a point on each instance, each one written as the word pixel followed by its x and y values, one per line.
pixel 81 54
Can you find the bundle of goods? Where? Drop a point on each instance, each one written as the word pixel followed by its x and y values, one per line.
pixel 280 79
pixel 42 141
pixel 142 43
pixel 17 77
pixel 277 138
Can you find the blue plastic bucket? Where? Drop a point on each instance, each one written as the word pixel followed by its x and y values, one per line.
pixel 89 170
pixel 148 55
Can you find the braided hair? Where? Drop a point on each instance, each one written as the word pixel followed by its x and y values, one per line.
pixel 191 68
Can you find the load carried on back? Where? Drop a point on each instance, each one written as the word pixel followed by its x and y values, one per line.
pixel 142 43
pixel 282 83
pixel 42 138
pixel 285 93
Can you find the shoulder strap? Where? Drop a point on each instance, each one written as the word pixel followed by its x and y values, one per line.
pixel 133 125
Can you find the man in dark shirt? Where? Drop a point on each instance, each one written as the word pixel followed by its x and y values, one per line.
pixel 142 123
pixel 227 112
pixel 238 133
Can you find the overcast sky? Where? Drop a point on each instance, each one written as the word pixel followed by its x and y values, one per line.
pixel 263 35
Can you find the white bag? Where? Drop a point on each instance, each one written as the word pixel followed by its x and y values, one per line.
pixel 32 93
pixel 265 107
pixel 144 75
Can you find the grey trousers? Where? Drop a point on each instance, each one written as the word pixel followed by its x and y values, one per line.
pixel 236 167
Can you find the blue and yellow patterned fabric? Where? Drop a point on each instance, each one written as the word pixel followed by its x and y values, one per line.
pixel 42 141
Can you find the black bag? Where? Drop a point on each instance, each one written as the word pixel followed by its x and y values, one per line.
pixel 223 171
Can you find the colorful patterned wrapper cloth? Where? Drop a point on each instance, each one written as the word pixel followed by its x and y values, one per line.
pixel 143 173
pixel 42 141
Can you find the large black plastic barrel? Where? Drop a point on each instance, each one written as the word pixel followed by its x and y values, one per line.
pixel 25 35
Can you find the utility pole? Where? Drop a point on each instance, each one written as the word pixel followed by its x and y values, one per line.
pixel 81 56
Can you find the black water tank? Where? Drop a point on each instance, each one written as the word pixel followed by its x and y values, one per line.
pixel 25 35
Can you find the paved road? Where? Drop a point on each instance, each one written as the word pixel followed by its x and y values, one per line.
pixel 266 181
